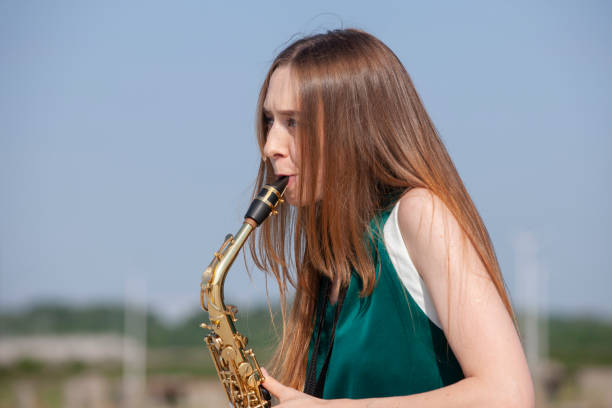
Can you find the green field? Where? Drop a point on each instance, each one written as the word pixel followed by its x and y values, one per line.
pixel 177 347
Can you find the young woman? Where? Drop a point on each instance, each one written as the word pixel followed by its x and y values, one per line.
pixel 399 300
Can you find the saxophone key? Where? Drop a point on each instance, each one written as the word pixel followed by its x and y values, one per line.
pixel 232 310
pixel 228 353
pixel 245 369
pixel 252 380
pixel 218 342
pixel 241 340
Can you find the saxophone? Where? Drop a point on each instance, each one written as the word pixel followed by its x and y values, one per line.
pixel 237 367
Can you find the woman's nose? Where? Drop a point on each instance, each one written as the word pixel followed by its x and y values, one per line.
pixel 276 144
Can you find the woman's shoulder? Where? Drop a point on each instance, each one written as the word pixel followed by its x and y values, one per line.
pixel 419 207
pixel 426 224
pixel 417 196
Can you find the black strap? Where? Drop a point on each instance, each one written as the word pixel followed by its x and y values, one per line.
pixel 314 386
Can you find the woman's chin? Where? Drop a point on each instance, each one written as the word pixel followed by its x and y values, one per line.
pixel 290 199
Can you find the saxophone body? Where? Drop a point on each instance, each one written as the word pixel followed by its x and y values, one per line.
pixel 237 367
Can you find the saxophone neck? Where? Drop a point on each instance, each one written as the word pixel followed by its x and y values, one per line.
pixel 229 251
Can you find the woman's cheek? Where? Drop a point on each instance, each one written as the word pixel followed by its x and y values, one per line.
pixel 293 152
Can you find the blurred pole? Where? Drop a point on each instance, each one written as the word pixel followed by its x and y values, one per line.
pixel 527 274
pixel 135 344
pixel 25 394
pixel 532 285
pixel 543 307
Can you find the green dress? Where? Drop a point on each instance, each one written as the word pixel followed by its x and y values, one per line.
pixel 385 344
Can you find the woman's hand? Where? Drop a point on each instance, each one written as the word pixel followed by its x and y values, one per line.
pixel 289 397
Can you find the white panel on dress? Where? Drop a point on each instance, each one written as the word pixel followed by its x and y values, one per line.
pixel 400 258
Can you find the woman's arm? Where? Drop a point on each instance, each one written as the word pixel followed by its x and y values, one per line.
pixel 476 324
pixel 474 319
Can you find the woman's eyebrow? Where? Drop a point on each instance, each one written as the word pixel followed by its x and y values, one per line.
pixel 288 112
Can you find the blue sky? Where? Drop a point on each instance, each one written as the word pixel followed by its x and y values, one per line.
pixel 127 147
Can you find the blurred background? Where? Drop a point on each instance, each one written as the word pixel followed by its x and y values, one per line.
pixel 127 152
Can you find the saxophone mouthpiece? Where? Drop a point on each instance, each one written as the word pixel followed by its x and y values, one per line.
pixel 267 200
pixel 281 183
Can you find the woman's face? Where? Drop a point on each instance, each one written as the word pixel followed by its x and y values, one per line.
pixel 281 114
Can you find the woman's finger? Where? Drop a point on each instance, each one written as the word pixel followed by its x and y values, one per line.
pixel 281 392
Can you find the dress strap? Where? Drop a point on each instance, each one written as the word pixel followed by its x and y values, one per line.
pixel 314 386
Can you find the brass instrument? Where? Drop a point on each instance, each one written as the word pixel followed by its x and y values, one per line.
pixel 237 367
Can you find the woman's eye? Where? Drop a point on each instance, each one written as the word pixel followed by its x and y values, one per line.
pixel 291 123
pixel 268 121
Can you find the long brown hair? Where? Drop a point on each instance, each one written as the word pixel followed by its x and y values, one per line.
pixel 364 132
